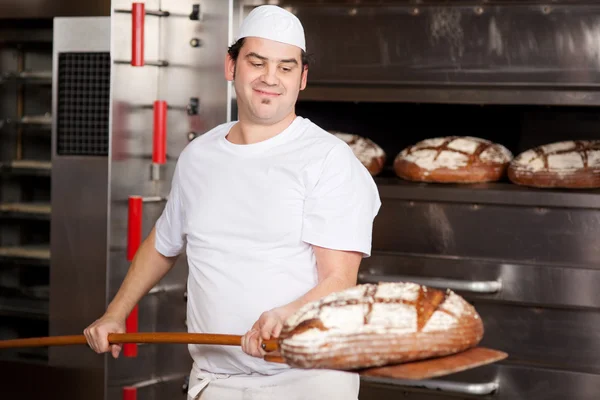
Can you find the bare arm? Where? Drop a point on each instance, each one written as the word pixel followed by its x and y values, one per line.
pixel 337 270
pixel 147 269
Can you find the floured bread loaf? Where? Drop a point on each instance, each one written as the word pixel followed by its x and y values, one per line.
pixel 569 164
pixel 453 159
pixel 370 154
pixel 374 325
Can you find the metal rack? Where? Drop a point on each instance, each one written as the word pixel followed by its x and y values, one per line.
pixel 25 144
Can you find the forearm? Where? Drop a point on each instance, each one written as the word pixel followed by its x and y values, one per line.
pixel 328 285
pixel 147 268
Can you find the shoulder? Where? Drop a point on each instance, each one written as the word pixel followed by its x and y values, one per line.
pixel 318 136
pixel 203 142
pixel 323 146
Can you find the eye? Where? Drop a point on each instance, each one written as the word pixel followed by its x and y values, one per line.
pixel 257 64
pixel 286 69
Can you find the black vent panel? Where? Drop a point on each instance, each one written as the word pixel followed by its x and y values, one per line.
pixel 82 123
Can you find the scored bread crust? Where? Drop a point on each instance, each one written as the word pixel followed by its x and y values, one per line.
pixel 568 164
pixel 375 325
pixel 453 159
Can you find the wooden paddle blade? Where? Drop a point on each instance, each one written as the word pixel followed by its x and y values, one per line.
pixel 425 369
pixel 435 367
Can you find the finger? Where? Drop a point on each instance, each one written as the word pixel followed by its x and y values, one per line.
pixel 102 341
pixel 256 345
pixel 250 342
pixel 245 342
pixel 86 333
pixel 92 340
pixel 116 350
pixel 277 329
pixel 267 328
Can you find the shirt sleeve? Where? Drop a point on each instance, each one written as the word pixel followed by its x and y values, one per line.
pixel 340 209
pixel 170 238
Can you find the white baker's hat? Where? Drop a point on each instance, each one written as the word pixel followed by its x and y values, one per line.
pixel 273 23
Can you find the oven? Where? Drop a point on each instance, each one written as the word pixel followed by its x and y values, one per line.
pixel 521 74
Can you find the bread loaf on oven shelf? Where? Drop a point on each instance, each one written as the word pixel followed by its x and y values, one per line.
pixel 453 159
pixel 567 164
pixel 374 325
pixel 368 152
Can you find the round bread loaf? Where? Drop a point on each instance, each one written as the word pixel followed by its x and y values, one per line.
pixel 370 154
pixel 375 325
pixel 453 159
pixel 568 164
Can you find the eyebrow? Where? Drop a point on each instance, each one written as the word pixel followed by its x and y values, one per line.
pixel 263 58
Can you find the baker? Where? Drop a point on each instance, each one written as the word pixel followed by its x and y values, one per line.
pixel 272 212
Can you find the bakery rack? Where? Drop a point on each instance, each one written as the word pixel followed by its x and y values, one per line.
pixel 25 122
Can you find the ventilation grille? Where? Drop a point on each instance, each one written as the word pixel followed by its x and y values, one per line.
pixel 82 124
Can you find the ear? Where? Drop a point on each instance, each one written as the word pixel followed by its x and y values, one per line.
pixel 229 68
pixel 304 78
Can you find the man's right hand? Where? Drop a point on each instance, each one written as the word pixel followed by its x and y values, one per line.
pixel 97 334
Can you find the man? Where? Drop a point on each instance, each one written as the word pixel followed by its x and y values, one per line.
pixel 273 213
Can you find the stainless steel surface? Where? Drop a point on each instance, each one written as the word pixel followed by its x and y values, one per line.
pixel 493 193
pixel 191 72
pixel 127 171
pixel 441 283
pixel 53 8
pixel 531 283
pixel 79 281
pixel 514 383
pixel 473 389
pixel 560 338
pixel 544 235
pixel 463 52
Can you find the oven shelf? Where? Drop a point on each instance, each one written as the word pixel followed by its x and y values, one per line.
pixel 28 77
pixel 27 167
pixel 497 193
pixel 39 121
pixel 26 210
pixel 29 254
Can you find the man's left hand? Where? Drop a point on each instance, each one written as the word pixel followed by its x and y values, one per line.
pixel 267 327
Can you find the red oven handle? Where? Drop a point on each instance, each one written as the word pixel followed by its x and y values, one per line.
pixel 129 393
pixel 138 15
pixel 131 326
pixel 134 226
pixel 159 141
pixel 134 239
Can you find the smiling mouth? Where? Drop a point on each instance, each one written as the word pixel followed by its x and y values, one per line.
pixel 263 93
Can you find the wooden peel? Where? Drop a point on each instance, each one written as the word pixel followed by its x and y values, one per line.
pixel 120 338
pixel 416 370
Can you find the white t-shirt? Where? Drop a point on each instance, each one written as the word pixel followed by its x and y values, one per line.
pixel 246 215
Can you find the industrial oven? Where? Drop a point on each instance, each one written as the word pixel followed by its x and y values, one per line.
pixel 519 73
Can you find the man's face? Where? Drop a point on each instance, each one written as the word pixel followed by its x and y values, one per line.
pixel 268 77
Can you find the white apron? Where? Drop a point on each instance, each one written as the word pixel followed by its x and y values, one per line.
pixel 293 384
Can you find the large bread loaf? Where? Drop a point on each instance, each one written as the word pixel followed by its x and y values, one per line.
pixel 568 164
pixel 453 159
pixel 375 325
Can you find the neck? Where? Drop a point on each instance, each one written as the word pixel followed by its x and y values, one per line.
pixel 246 131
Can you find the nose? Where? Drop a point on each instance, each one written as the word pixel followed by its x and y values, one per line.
pixel 270 75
